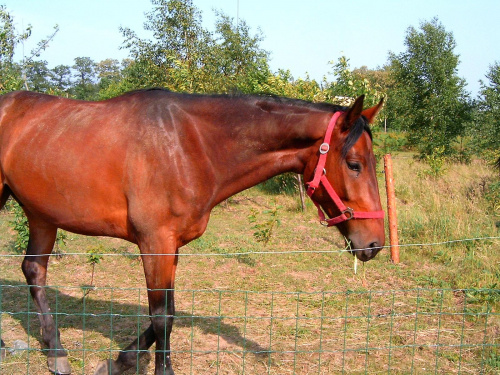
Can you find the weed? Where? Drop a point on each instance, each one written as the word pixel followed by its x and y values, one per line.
pixel 493 359
pixel 264 227
pixel 490 295
pixel 21 226
pixel 444 257
pixel 60 243
pixel 94 257
pixel 492 196
pixel 241 258
pixel 436 163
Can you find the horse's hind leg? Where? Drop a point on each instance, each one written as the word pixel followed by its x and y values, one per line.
pixel 3 353
pixel 4 195
pixel 40 245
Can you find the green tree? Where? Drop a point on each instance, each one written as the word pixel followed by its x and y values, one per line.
pixel 60 77
pixel 235 57
pixel 108 72
pixel 184 56
pixel 14 76
pixel 349 84
pixel 38 76
pixel 283 83
pixel 85 75
pixel 10 72
pixel 429 98
pixel 175 57
pixel 486 130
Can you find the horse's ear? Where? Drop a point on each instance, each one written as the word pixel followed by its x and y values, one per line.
pixel 371 113
pixel 353 113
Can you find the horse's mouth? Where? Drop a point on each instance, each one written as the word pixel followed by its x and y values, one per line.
pixel 368 253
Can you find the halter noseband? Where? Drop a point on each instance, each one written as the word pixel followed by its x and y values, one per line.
pixel 347 213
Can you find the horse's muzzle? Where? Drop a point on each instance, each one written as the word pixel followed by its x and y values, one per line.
pixel 365 254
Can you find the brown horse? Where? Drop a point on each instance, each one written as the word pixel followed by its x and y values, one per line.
pixel 149 166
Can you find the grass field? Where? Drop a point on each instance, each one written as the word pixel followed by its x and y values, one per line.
pixel 294 305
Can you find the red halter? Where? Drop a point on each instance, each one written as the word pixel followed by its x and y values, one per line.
pixel 347 213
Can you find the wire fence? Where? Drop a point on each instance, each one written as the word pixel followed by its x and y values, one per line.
pixel 236 332
pixel 406 331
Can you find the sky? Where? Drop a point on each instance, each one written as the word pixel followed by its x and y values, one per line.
pixel 301 36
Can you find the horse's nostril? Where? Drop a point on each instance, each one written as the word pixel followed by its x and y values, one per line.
pixel 369 252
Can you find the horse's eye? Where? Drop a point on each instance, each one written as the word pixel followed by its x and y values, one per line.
pixel 354 166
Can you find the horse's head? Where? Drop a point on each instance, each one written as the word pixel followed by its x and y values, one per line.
pixel 343 180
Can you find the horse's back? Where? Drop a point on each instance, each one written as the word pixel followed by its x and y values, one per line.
pixel 66 160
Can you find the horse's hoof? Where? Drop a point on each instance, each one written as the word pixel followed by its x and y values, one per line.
pixel 104 367
pixel 59 365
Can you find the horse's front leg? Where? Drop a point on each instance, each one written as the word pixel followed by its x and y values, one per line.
pixel 162 313
pixel 159 255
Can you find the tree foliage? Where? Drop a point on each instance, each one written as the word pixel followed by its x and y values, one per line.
pixel 486 131
pixel 14 76
pixel 349 84
pixel 429 97
pixel 10 72
pixel 184 56
pixel 60 78
pixel 85 75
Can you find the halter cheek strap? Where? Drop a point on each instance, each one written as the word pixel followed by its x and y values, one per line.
pixel 347 213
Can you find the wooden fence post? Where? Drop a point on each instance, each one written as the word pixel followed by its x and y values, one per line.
pixel 391 208
pixel 301 192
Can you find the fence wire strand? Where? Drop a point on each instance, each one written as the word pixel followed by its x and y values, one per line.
pixel 243 253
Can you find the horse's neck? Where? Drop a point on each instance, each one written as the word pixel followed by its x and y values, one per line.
pixel 267 145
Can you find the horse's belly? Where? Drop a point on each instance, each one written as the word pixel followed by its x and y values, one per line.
pixel 87 206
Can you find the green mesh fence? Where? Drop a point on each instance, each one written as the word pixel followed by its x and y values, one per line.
pixel 417 331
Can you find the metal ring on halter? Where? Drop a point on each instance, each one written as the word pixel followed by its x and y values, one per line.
pixel 324 222
pixel 324 171
pixel 348 213
pixel 324 148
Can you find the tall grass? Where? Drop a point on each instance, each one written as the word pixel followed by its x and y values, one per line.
pixel 451 206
